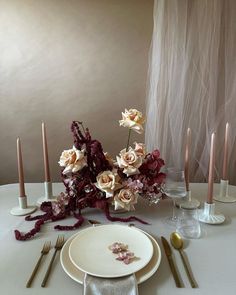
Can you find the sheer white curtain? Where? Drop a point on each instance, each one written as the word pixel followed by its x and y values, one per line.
pixel 192 82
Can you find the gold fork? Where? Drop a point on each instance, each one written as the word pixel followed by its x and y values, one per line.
pixel 58 246
pixel 44 251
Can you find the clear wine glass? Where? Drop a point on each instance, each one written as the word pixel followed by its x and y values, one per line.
pixel 174 188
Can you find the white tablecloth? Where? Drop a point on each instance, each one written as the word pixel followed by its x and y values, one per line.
pixel 212 257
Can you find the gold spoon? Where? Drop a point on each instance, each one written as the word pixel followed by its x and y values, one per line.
pixel 178 243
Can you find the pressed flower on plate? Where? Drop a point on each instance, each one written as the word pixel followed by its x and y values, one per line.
pixel 118 247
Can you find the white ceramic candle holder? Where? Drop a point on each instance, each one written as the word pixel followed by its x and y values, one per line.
pixel 208 215
pixel 48 194
pixel 23 208
pixel 224 195
pixel 188 202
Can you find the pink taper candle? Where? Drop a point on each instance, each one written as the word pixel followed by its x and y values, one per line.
pixel 45 154
pixel 20 168
pixel 211 170
pixel 186 162
pixel 226 147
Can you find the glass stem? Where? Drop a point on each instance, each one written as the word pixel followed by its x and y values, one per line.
pixel 173 212
pixel 189 196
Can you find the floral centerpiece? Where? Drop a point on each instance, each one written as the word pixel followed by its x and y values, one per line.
pixel 93 179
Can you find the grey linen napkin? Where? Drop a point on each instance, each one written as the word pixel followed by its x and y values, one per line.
pixel 117 286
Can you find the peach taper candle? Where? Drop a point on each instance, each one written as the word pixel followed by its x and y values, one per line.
pixel 186 162
pixel 20 168
pixel 23 208
pixel 226 150
pixel 48 197
pixel 211 170
pixel 45 154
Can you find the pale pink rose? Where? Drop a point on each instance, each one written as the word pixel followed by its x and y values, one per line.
pixel 132 119
pixel 140 149
pixel 125 199
pixel 129 161
pixel 108 182
pixel 73 160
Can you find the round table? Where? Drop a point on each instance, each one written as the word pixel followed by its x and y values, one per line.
pixel 212 257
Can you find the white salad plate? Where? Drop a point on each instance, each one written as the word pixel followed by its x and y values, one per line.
pixel 142 275
pixel 89 251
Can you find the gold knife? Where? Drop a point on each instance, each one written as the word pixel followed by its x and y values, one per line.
pixel 171 263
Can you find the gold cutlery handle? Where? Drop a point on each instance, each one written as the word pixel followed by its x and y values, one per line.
pixel 28 284
pixel 174 272
pixel 190 277
pixel 48 270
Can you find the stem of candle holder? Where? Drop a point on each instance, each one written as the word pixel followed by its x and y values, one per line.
pixel 188 202
pixel 224 195
pixel 48 194
pixel 23 208
pixel 208 215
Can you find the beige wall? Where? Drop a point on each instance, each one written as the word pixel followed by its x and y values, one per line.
pixel 64 60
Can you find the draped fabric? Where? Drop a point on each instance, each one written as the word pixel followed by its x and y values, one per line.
pixel 192 82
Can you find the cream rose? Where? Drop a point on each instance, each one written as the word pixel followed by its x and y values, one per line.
pixel 108 182
pixel 129 161
pixel 73 160
pixel 132 119
pixel 140 149
pixel 125 199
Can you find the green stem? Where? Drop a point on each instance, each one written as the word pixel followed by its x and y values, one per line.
pixel 128 140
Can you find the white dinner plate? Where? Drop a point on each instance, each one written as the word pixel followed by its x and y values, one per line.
pixel 141 276
pixel 89 251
